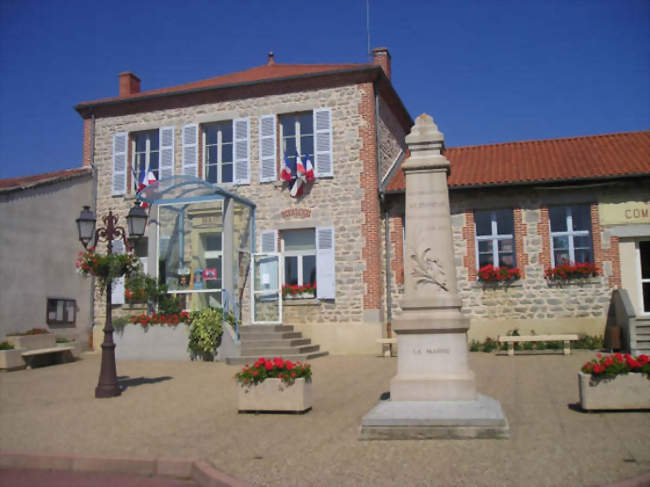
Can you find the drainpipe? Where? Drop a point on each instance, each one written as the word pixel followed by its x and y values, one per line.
pixel 91 316
pixel 382 203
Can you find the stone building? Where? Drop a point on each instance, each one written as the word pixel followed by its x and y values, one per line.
pixel 231 139
pixel 236 131
pixel 38 248
pixel 535 205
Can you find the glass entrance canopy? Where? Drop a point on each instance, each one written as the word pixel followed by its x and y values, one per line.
pixel 204 238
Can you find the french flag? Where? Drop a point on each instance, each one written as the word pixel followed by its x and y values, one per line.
pixel 286 170
pixel 297 189
pixel 309 170
pixel 146 179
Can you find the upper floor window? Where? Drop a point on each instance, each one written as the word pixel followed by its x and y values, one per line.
pixel 570 234
pixel 495 238
pixel 297 136
pixel 218 152
pixel 146 155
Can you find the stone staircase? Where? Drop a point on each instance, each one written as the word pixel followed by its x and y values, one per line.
pixel 274 341
pixel 640 336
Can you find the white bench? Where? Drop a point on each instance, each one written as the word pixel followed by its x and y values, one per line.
pixel 28 355
pixel 510 340
pixel 390 342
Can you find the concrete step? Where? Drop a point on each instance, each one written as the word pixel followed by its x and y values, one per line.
pixel 250 359
pixel 291 342
pixel 264 328
pixel 270 336
pixel 278 351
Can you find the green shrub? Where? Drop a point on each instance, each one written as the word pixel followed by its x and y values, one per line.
pixel 587 342
pixel 475 346
pixel 205 333
pixel 489 345
pixel 529 346
pixel 6 346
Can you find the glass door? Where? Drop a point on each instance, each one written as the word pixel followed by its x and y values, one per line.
pixel 644 261
pixel 267 289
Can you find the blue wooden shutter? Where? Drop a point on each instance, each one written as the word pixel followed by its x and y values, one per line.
pixel 191 150
pixel 325 263
pixel 242 151
pixel 324 159
pixel 269 241
pixel 119 163
pixel 268 165
pixel 166 147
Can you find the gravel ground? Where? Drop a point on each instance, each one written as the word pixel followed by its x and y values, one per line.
pixel 188 409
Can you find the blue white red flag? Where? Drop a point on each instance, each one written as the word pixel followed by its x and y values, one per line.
pixel 309 170
pixel 286 170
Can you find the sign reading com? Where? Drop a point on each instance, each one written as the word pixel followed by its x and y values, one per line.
pixel 632 212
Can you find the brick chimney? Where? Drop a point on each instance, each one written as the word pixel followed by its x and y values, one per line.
pixel 129 83
pixel 381 57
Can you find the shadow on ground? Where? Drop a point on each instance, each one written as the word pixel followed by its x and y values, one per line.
pixel 126 382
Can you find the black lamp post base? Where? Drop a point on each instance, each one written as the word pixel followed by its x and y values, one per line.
pixel 107 390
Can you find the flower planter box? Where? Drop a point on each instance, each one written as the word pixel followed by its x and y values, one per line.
pixel 275 395
pixel 156 342
pixel 626 391
pixel 11 360
pixel 33 342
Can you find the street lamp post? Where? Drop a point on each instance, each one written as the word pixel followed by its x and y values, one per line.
pixel 136 221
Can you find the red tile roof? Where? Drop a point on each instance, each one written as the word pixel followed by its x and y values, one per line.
pixel 542 161
pixel 258 73
pixel 25 182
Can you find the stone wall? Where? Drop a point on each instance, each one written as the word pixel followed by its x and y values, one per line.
pixel 336 202
pixel 532 303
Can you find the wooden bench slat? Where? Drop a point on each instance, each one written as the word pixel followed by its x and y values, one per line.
pixel 536 338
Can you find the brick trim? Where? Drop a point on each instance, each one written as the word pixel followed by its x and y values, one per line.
pixel 469 259
pixel 370 230
pixel 521 231
pixel 601 254
pixel 543 230
pixel 87 133
pixel 397 245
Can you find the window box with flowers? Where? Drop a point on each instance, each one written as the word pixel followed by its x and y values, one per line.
pixel 307 291
pixel 490 276
pixel 271 385
pixel 618 381
pixel 570 273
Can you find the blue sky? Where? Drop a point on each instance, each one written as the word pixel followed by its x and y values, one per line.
pixel 487 71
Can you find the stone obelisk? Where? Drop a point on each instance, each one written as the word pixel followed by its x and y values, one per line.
pixel 434 393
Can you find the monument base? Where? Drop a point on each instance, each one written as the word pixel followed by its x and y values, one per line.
pixel 421 420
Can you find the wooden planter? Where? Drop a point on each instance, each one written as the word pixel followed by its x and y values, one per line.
pixel 11 360
pixel 275 395
pixel 626 391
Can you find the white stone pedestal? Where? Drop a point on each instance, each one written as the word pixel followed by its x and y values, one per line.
pixel 434 393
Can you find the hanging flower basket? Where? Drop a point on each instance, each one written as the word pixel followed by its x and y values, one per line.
pixel 106 267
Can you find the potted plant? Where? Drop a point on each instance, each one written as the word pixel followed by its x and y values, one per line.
pixel 618 381
pixel 274 385
pixel 106 267
pixel 205 333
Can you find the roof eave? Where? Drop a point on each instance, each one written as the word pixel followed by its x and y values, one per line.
pixel 85 108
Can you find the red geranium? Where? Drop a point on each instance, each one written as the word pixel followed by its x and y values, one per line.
pixel 489 273
pixel 277 367
pixel 613 365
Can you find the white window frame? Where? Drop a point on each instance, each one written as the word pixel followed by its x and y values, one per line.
pixel 299 254
pixel 219 152
pixel 298 134
pixel 569 233
pixel 641 280
pixel 495 237
pixel 147 155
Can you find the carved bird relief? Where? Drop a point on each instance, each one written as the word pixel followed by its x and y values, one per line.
pixel 427 269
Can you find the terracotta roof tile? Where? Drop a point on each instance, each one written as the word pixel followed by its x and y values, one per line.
pixel 575 158
pixel 24 182
pixel 258 73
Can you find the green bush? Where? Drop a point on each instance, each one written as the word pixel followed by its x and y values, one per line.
pixel 6 346
pixel 205 333
pixel 587 342
pixel 475 346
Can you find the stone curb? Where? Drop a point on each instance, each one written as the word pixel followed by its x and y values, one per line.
pixel 199 471
pixel 642 480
